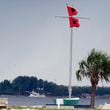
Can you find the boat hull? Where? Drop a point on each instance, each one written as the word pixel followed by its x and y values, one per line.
pixel 35 94
pixel 66 101
pixel 71 101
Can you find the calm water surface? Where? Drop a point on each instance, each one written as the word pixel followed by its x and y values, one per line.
pixel 32 101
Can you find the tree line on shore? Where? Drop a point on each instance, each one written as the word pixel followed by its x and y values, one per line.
pixel 23 85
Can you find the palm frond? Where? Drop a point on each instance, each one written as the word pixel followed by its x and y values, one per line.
pixel 78 76
pixel 97 63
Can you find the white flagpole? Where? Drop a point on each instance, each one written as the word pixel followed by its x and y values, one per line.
pixel 70 65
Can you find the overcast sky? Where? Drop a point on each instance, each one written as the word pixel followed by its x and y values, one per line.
pixel 35 43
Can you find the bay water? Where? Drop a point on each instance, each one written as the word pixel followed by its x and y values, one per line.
pixel 33 101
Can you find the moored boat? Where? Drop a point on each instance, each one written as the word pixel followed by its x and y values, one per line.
pixel 36 94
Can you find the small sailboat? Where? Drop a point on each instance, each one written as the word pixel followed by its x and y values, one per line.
pixel 36 94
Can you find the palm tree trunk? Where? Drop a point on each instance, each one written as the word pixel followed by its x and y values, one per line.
pixel 93 95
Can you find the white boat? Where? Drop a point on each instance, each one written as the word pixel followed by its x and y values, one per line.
pixel 36 94
pixel 104 107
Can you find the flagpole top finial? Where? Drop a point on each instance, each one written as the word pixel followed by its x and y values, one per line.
pixel 66 4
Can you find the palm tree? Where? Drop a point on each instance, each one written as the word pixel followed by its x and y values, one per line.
pixel 96 67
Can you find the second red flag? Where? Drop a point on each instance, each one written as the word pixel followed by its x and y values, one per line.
pixel 74 22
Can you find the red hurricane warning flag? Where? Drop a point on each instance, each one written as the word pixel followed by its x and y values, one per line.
pixel 71 11
pixel 74 22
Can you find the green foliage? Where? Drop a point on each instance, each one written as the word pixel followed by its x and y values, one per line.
pixel 22 85
pixel 5 87
pixel 96 65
